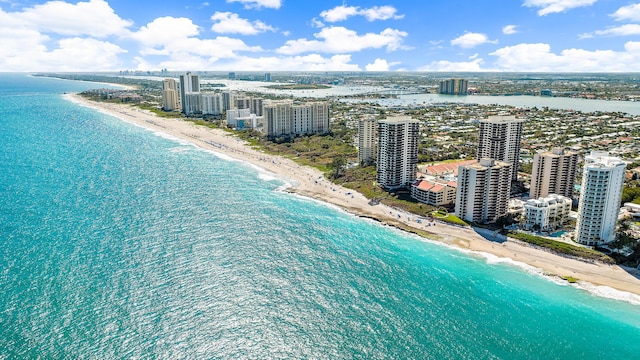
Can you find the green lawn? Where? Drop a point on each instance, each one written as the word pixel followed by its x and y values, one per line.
pixel 562 248
pixel 450 218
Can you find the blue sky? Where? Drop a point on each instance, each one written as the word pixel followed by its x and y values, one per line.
pixel 314 35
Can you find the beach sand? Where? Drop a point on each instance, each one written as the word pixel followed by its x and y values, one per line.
pixel 605 280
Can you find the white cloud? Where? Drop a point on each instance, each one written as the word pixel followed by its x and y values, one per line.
pixel 93 18
pixel 339 13
pixel 445 65
pixel 470 40
pixel 474 56
pixel 257 4
pixel 231 23
pixel 623 30
pixel 509 29
pixel 165 30
pixel 343 12
pixel 556 6
pixel 310 62
pixel 25 48
pixel 317 23
pixel 337 39
pixel 176 39
pixel 380 65
pixel 538 57
pixel 79 54
pixel 627 13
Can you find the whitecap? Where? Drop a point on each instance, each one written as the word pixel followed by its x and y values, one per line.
pixel 609 292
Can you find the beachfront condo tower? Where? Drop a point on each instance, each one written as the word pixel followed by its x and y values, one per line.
pixel 500 138
pixel 284 118
pixel 367 141
pixel 483 191
pixel 602 181
pixel 397 152
pixel 170 95
pixel 454 86
pixel 554 172
pixel 189 84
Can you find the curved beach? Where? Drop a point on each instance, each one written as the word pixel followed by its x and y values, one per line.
pixel 601 279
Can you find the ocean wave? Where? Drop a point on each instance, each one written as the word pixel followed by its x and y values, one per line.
pixel 609 292
pixel 168 136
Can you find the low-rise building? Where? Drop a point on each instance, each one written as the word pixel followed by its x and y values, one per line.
pixel 234 116
pixel 434 193
pixel 547 213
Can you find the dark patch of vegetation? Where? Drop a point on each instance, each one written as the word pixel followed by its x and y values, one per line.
pixel 631 193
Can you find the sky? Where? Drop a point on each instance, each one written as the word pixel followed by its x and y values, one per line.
pixel 321 35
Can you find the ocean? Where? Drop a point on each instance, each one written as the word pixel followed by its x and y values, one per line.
pixel 118 242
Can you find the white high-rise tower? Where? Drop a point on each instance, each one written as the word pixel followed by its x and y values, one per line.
pixel 602 181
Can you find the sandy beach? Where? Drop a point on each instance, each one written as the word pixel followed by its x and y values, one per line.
pixel 600 279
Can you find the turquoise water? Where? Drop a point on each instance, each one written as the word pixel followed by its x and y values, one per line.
pixel 558 233
pixel 118 243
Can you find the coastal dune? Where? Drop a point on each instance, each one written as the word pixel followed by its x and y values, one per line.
pixel 600 279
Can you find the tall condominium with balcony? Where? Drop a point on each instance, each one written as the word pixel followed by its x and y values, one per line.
pixel 397 151
pixel 284 118
pixel 500 140
pixel 189 84
pixel 554 172
pixel 602 181
pixel 170 95
pixel 483 191
pixel 454 86
pixel 367 140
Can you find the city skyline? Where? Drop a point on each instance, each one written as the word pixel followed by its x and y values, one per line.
pixel 272 35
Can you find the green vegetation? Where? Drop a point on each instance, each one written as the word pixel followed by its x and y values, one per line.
pixel 631 193
pixel 570 279
pixel 298 87
pixel 312 150
pixel 562 248
pixel 139 83
pixel 450 218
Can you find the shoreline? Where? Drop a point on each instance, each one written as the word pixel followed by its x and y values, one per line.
pixel 598 279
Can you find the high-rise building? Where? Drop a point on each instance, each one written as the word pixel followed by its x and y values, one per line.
pixel 242 102
pixel 554 172
pixel 170 95
pixel 397 151
pixel 232 76
pixel 454 86
pixel 499 139
pixel 267 77
pixel 189 84
pixel 192 104
pixel 483 191
pixel 284 118
pixel 367 141
pixel 602 181
pixel 256 106
pixel 227 100
pixel 212 104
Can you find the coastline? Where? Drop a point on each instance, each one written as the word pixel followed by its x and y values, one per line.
pixel 598 279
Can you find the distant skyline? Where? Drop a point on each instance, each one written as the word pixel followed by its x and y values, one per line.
pixel 284 35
